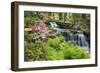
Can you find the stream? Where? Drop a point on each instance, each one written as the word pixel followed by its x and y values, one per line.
pixel 78 37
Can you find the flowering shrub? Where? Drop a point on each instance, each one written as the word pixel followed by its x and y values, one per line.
pixel 39 29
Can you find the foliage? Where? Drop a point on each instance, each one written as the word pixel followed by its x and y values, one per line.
pixel 66 50
pixel 73 52
pixel 28 36
pixel 30 21
pixel 30 52
pixel 55 49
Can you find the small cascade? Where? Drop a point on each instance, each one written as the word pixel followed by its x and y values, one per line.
pixel 69 36
pixel 78 38
pixel 53 25
pixel 81 40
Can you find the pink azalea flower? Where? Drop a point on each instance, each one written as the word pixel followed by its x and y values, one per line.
pixel 42 28
pixel 44 31
pixel 33 28
pixel 41 23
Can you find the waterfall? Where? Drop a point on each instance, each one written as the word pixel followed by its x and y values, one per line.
pixel 78 38
pixel 53 25
pixel 81 40
pixel 69 36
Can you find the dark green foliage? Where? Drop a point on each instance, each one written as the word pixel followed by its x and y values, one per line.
pixel 28 36
pixel 28 13
pixel 30 52
pixel 30 21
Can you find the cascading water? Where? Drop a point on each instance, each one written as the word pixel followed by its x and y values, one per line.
pixel 68 36
pixel 81 40
pixel 53 25
pixel 78 38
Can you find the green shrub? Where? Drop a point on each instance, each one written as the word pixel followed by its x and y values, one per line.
pixel 28 36
pixel 27 21
pixel 71 51
pixel 66 49
pixel 30 21
pixel 52 54
pixel 30 51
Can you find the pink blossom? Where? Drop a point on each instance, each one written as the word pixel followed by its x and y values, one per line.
pixel 44 31
pixel 42 28
pixel 41 23
pixel 33 28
